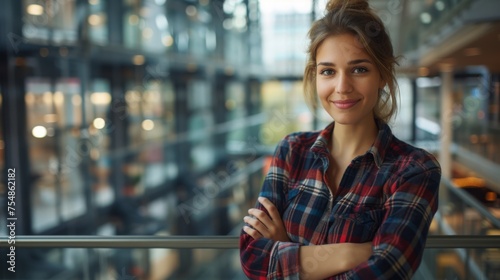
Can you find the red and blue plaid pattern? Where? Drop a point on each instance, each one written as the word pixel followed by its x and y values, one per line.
pixel 388 196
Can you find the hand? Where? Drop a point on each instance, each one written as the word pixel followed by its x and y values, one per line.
pixel 262 225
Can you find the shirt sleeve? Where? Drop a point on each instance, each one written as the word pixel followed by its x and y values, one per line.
pixel 399 243
pixel 264 258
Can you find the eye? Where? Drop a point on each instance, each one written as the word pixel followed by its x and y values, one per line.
pixel 326 72
pixel 359 70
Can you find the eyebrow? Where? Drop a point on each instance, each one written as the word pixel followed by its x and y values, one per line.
pixel 352 62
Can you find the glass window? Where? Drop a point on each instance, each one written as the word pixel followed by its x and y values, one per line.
pixel 151 111
pixel 428 108
pixel 97 22
pixel 57 148
pixel 51 20
pixel 146 25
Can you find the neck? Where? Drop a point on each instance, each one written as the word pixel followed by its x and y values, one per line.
pixel 349 141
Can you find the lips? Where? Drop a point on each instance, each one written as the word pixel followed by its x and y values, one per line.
pixel 345 104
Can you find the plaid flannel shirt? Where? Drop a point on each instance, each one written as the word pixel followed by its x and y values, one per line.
pixel 387 196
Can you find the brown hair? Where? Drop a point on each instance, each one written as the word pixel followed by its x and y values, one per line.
pixel 357 18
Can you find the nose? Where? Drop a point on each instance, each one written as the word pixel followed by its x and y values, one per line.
pixel 344 84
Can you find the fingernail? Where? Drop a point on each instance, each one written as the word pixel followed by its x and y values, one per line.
pixel 260 199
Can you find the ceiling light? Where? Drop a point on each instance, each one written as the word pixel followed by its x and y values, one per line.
pixel 100 98
pixel 39 131
pixel 148 125
pixel 99 123
pixel 35 10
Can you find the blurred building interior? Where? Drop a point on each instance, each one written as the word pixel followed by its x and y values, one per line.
pixel 158 118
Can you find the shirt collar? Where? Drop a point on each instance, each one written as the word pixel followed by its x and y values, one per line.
pixel 378 149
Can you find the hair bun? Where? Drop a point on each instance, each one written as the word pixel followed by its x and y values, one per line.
pixel 361 5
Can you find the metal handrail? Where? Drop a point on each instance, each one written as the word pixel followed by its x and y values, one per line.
pixel 209 242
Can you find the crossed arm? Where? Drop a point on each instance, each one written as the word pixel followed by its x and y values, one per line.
pixel 316 261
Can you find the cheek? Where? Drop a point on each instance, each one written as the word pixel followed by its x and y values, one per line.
pixel 323 89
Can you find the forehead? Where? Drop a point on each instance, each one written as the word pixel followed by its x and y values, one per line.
pixel 341 46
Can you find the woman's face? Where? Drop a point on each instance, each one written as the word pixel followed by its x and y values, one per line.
pixel 347 80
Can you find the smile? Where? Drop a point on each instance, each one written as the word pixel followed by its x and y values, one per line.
pixel 345 104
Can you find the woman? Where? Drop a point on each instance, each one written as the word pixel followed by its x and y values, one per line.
pixel 351 201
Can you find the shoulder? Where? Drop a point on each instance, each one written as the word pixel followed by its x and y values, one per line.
pixel 411 158
pixel 302 139
pixel 296 143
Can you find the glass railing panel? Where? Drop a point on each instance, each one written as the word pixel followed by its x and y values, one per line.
pixel 461 213
pixel 124 264
pixel 207 263
pixel 215 257
pixel 458 263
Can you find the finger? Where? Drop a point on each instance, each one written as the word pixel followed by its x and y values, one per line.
pixel 256 225
pixel 252 232
pixel 261 216
pixel 271 209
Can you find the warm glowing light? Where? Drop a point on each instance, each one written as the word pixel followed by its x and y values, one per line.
pixel 35 10
pixel 99 123
pixel 94 2
pixel 491 196
pixel 100 98
pixel 39 131
pixel 50 118
pixel 29 98
pixel 167 41
pixel 469 182
pixel 133 19
pixel 148 125
pixel 47 98
pixel 138 59
pixel 59 98
pixel 96 20
pixel 423 71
